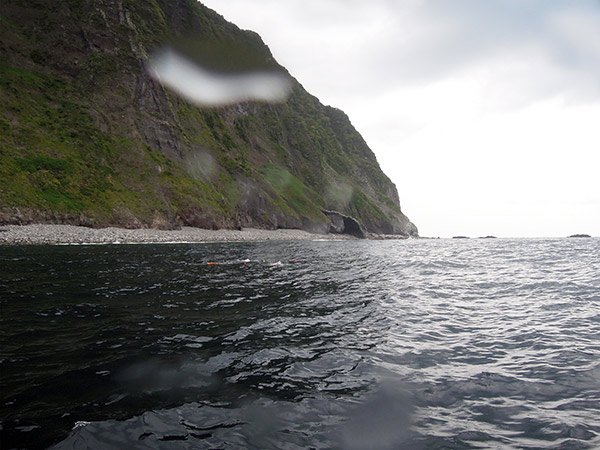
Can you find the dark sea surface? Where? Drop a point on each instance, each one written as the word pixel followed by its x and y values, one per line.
pixel 420 344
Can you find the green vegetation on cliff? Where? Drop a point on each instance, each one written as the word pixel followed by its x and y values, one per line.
pixel 86 136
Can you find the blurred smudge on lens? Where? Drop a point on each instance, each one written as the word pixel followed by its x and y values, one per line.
pixel 212 88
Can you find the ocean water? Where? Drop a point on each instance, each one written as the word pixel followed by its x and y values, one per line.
pixel 420 344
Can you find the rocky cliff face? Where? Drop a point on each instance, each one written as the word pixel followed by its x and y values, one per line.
pixel 88 137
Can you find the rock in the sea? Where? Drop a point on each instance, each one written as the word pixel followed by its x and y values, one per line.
pixel 580 236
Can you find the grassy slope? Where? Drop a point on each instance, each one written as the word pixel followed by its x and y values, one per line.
pixel 85 133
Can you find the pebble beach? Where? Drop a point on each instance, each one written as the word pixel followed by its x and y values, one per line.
pixel 39 234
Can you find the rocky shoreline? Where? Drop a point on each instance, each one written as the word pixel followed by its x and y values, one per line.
pixel 40 234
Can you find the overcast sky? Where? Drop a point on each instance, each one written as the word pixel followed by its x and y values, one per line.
pixel 486 114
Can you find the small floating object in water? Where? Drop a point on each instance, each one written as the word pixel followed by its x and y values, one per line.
pixel 212 263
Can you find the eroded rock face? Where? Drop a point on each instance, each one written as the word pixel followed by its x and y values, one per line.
pixel 27 216
pixel 405 228
pixel 342 224
pixel 336 224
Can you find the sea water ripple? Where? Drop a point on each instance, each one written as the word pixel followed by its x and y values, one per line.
pixel 350 344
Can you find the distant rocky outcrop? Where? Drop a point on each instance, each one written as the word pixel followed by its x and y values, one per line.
pixel 580 236
pixel 89 137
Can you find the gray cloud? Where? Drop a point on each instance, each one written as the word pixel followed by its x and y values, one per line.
pixel 463 34
pixel 420 40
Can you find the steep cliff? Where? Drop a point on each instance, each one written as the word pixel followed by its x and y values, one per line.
pixel 88 137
